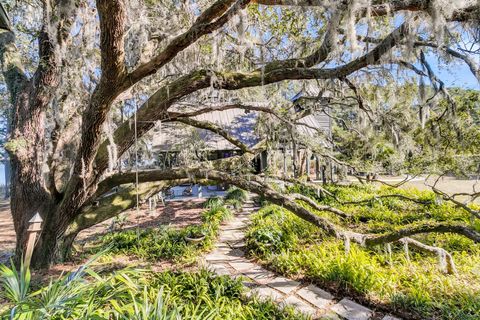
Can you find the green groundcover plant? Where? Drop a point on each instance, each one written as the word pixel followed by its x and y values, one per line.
pixel 403 279
pixel 133 294
pixel 165 243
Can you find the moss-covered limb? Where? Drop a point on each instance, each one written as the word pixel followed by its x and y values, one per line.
pixel 112 205
pixel 216 129
pixel 441 253
pixel 213 18
pixel 382 8
pixel 254 184
pixel 251 183
pixel 320 207
pixel 446 197
pixel 222 107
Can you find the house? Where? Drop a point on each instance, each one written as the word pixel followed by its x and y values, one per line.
pixel 174 143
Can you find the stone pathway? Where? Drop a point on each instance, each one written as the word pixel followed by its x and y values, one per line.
pixel 228 258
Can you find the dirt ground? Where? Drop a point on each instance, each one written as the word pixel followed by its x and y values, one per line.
pixel 176 214
pixel 448 185
pixel 7 233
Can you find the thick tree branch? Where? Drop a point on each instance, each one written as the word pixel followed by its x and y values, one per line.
pixel 243 106
pixel 382 8
pixel 450 265
pixel 320 207
pixel 112 16
pixel 155 108
pixel 108 207
pixel 222 11
pixel 250 184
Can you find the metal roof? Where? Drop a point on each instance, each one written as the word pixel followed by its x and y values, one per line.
pixel 239 123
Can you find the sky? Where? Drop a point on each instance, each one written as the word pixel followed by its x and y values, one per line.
pixel 457 76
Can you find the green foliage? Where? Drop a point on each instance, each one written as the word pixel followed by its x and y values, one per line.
pixel 292 246
pixel 397 141
pixel 235 193
pixel 167 243
pixel 15 283
pixel 142 295
pixel 236 197
pixel 213 202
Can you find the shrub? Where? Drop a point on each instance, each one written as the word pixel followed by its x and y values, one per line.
pixel 236 194
pixel 138 294
pixel 166 243
pixel 213 202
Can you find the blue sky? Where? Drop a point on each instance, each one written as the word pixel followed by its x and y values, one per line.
pixel 457 76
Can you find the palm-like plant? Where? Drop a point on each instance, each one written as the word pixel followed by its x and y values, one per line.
pixel 15 283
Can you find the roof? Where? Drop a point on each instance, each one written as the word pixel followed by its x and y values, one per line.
pixel 312 93
pixel 239 123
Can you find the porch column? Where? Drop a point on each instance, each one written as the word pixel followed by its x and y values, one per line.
pixel 307 163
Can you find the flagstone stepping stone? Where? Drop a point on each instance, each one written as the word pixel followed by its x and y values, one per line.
pixel 244 265
pixel 316 296
pixel 352 310
pixel 330 315
pixel 216 256
pixel 300 305
pixel 219 269
pixel 259 275
pixel 235 225
pixel 265 292
pixel 230 236
pixel 283 284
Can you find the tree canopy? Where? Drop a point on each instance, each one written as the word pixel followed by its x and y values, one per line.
pixel 88 79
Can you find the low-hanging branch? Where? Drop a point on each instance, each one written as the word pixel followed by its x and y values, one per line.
pixel 215 129
pixel 446 197
pixel 320 207
pixel 250 184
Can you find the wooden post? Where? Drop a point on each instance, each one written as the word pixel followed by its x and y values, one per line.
pixel 307 164
pixel 35 226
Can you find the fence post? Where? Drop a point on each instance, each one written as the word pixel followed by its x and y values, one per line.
pixel 35 226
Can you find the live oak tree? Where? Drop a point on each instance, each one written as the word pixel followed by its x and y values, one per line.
pixel 72 66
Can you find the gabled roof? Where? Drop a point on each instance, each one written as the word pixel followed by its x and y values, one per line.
pixel 239 123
